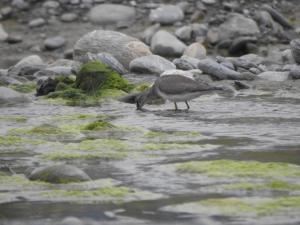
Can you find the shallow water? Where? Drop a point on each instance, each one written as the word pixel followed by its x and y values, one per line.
pixel 253 125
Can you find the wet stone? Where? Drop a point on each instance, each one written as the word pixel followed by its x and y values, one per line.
pixel 53 43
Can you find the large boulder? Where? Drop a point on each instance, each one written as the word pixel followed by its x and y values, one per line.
pixel 10 97
pixel 152 64
pixel 123 47
pixel 237 25
pixel 165 44
pixel 60 173
pixel 111 14
pixel 166 14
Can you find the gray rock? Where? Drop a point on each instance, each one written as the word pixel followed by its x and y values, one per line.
pixel 199 30
pixel 152 64
pixel 237 25
pixel 111 14
pixel 62 62
pixel 149 32
pixel 278 17
pixel 221 72
pixel 266 22
pixel 5 12
pixel 195 50
pixel 68 17
pixel 20 4
pixel 13 39
pixel 3 34
pixel 274 76
pixel 59 174
pixel 123 47
pixel 295 72
pixel 6 80
pixel 165 44
pixel 209 2
pixel 27 66
pixel 10 97
pixel 53 43
pixel 186 63
pixel 54 71
pixel 51 4
pixel 184 33
pixel 37 22
pixel 166 14
pixel 107 59
pixel 295 47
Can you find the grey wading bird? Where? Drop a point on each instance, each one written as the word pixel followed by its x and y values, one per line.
pixel 175 88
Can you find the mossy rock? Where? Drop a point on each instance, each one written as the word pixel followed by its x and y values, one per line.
pixel 95 75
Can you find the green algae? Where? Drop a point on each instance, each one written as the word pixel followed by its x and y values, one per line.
pixel 166 146
pixel 112 191
pixel 19 180
pixel 100 144
pixel 260 207
pixel 141 87
pixel 164 134
pixel 10 140
pixel 231 168
pixel 24 88
pixel 272 185
pixel 13 118
pixel 98 125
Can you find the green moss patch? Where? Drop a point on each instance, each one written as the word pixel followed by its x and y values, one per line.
pixel 7 141
pixel 98 125
pixel 24 88
pixel 12 118
pixel 167 146
pixel 231 168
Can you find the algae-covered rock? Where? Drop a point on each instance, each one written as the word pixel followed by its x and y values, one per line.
pixel 96 75
pixel 59 174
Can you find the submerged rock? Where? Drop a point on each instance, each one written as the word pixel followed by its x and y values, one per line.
pixel 166 14
pixel 152 64
pixel 10 97
pixel 111 14
pixel 123 47
pixel 59 174
pixel 165 44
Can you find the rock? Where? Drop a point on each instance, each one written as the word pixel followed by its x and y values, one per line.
pixel 37 22
pixel 14 39
pixel 212 36
pixel 71 221
pixel 237 25
pixel 124 48
pixel 239 45
pixel 221 72
pixel 3 34
pixel 107 59
pixel 238 85
pixel 295 47
pixel 152 64
pixel 184 33
pixel 186 63
pixel 165 44
pixel 10 97
pixel 111 14
pixel 266 22
pixel 278 17
pixel 6 80
pixel 59 174
pixel 6 12
pixel 51 4
pixel 20 4
pixel 54 71
pixel 45 85
pixel 274 76
pixel 209 2
pixel 166 14
pixel 149 32
pixel 178 72
pixel 27 66
pixel 68 17
pixel 195 50
pixel 53 43
pixel 295 72
pixel 199 30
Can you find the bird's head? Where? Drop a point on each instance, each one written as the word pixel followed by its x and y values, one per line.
pixel 141 100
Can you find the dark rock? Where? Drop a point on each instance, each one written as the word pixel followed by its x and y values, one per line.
pixel 295 72
pixel 239 45
pixel 14 39
pixel 278 17
pixel 240 85
pixel 152 64
pixel 165 44
pixel 53 43
pixel 59 174
pixel 45 86
pixel 166 14
pixel 124 48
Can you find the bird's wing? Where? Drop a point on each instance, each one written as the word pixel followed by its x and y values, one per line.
pixel 178 84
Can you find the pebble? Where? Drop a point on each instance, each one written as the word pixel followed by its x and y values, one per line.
pixel 53 43
pixel 68 17
pixel 37 22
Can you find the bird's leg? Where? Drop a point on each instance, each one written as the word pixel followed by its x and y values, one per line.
pixel 176 108
pixel 187 105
